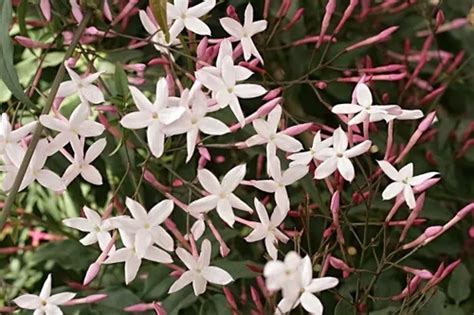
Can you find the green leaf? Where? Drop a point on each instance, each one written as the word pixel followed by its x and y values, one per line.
pixel 69 254
pixel 343 308
pixel 179 300
pixel 459 284
pixel 158 7
pixel 7 70
pixel 216 305
pixel 121 83
pixel 435 305
pixel 237 269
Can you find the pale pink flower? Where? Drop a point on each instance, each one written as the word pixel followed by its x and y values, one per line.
pixel 189 18
pixel 70 130
pixel 98 230
pixel 403 182
pixel 364 109
pixel 44 303
pixel 280 179
pixel 146 226
pixel 308 286
pixel 133 259
pixel 199 271
pixel 194 120
pixel 225 89
pixel 221 196
pixel 268 229
pixel 244 33
pixel 267 134
pixel 82 86
pixel 9 138
pixel 81 165
pixel 338 157
pixel 153 116
pixel 304 158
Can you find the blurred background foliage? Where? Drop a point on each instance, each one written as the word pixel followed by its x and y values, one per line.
pixel 24 263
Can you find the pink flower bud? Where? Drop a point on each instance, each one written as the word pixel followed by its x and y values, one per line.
pixel 297 129
pixel 427 122
pixel 330 8
pixel 296 17
pixel 471 232
pixel 345 16
pixel 382 36
pixel 201 48
pixel 272 94
pixel 29 43
pixel 94 298
pixel 284 7
pixel 91 273
pixel 140 307
pixel 439 18
pixel 230 11
pixel 45 7
pixel 321 85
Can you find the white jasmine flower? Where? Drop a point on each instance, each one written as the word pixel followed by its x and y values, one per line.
pixel 70 130
pixel 185 17
pixel 199 271
pixel 268 229
pixel 244 33
pixel 364 108
pixel 133 259
pixel 279 181
pixel 403 182
pixel 221 196
pixel 338 157
pixel 153 116
pixel 82 86
pixel 304 158
pixel 44 303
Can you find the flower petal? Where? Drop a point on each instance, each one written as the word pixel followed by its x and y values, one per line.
pixel 216 275
pixel 389 170
pixel 326 168
pixel 224 209
pixel 233 178
pixel 392 190
pixel 345 168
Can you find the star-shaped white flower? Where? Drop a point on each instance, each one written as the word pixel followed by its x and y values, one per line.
pixel 309 286
pixel 284 275
pixel 225 49
pixel 185 17
pixel 96 228
pixel 82 163
pixel 9 138
pixel 70 130
pixel 267 133
pixel 87 91
pixel 194 120
pixel 221 196
pixel 146 225
pixel 304 158
pixel 157 35
pixel 199 271
pixel 277 185
pixel 268 229
pixel 36 170
pixel 403 182
pixel 338 157
pixel 364 108
pixel 225 89
pixel 44 303
pixel 244 33
pixel 133 259
pixel 404 114
pixel 153 116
